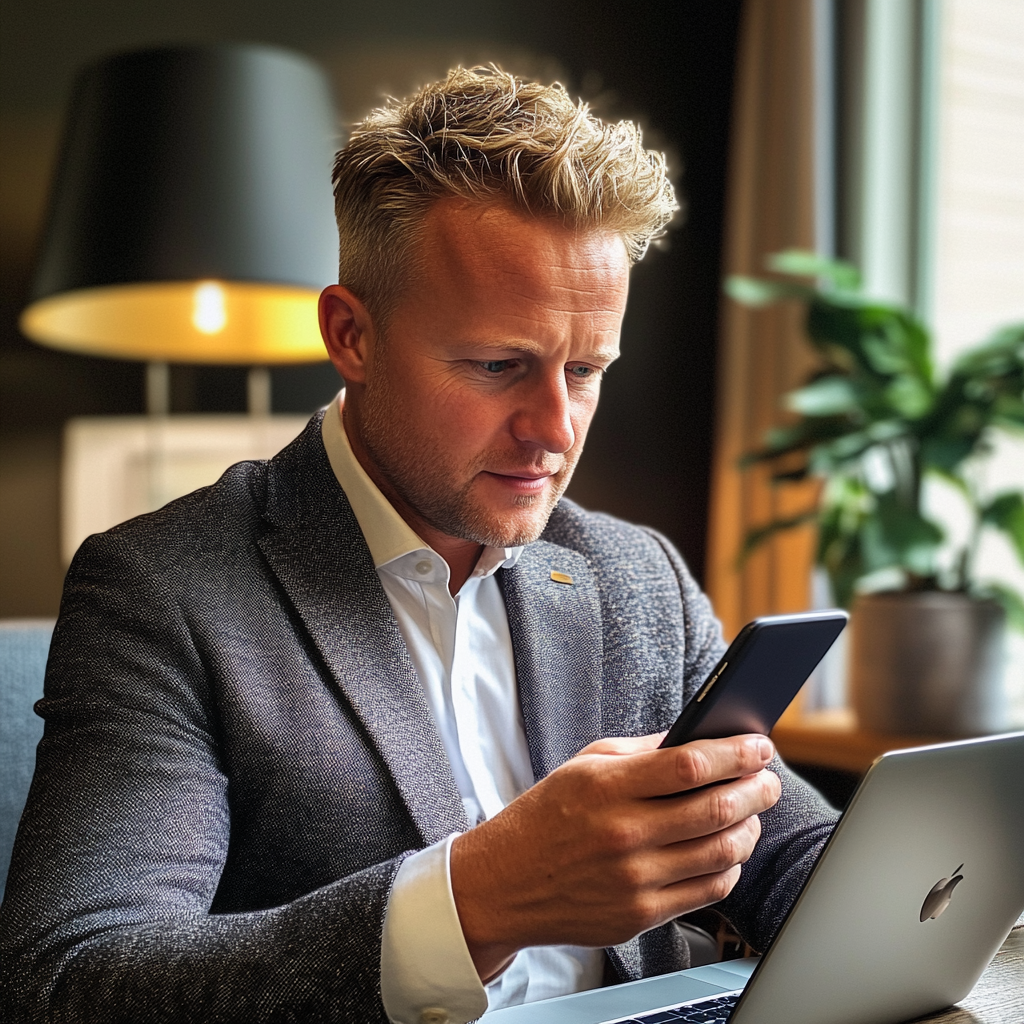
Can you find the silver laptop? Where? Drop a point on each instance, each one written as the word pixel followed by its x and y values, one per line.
pixel 911 898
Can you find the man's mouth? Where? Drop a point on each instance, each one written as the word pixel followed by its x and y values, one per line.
pixel 527 481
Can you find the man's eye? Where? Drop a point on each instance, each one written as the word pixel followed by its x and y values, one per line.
pixel 583 372
pixel 496 365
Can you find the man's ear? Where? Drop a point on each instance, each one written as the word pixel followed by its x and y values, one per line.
pixel 347 330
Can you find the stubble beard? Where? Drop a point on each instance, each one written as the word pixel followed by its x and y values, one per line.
pixel 422 478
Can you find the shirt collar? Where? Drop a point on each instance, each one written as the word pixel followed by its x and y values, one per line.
pixel 388 536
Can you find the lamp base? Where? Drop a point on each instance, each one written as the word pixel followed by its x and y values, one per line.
pixel 118 467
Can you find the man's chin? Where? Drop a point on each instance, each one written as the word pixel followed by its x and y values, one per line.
pixel 511 530
pixel 506 537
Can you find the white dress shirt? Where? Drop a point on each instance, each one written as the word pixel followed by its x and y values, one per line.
pixel 462 652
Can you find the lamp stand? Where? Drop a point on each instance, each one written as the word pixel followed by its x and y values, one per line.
pixel 158 389
pixel 258 391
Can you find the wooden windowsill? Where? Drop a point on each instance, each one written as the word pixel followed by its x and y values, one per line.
pixel 832 739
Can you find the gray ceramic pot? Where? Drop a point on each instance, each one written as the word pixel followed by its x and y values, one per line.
pixel 927 663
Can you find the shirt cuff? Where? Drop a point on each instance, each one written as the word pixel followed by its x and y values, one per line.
pixel 426 972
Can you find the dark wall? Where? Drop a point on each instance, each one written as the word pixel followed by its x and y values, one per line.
pixel 669 65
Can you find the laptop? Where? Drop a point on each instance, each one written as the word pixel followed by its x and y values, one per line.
pixel 913 894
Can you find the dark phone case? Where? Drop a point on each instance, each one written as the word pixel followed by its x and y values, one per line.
pixel 757 676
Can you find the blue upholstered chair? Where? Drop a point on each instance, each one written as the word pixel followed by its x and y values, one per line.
pixel 24 644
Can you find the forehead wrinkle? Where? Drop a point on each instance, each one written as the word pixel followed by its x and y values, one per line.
pixel 480 244
pixel 513 262
pixel 601 320
pixel 592 301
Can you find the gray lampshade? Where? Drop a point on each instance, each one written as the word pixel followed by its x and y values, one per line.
pixel 191 216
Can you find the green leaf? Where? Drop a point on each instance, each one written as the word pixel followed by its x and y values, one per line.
pixel 844 581
pixel 1002 352
pixel 827 396
pixel 898 344
pixel 869 339
pixel 840 553
pixel 1008 412
pixel 910 396
pixel 791 476
pixel 756 537
pixel 1010 336
pixel 832 324
pixel 846 503
pixel 954 480
pixel 1011 601
pixel 796 437
pixel 852 444
pixel 899 536
pixel 752 291
pixel 1006 513
pixel 945 454
pixel 803 263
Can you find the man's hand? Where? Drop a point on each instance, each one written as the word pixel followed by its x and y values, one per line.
pixel 590 856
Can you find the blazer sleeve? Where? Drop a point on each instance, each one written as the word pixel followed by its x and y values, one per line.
pixel 125 835
pixel 793 832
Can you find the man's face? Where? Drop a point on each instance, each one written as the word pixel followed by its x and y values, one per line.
pixel 474 408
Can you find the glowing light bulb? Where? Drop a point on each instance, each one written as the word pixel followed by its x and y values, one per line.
pixel 209 314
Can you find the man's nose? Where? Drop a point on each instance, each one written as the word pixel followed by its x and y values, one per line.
pixel 544 417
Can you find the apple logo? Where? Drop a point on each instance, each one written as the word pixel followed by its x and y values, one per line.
pixel 941 893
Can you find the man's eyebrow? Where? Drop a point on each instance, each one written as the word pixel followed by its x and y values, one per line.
pixel 529 348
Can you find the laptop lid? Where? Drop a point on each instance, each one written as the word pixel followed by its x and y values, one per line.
pixel 916 889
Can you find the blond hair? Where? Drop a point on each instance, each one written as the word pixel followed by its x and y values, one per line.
pixel 487 136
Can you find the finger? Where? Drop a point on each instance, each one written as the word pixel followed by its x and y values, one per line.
pixel 694 893
pixel 704 864
pixel 671 770
pixel 655 905
pixel 709 854
pixel 625 744
pixel 708 811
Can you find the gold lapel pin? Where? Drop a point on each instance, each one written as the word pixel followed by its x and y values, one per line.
pixel 562 577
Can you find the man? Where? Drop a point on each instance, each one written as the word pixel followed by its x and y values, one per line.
pixel 369 731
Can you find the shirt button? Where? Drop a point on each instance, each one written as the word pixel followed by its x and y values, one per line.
pixel 434 1015
pixel 423 567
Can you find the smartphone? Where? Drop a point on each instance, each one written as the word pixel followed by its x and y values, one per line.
pixel 757 676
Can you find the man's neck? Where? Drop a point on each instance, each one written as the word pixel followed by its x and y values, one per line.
pixel 461 555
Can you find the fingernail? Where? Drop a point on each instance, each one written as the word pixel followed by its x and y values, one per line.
pixel 765 749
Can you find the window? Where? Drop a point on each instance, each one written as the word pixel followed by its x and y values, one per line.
pixel 977 259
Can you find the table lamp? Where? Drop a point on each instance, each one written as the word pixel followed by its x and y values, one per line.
pixel 190 220
pixel 191 214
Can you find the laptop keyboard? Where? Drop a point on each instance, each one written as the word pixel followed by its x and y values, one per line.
pixel 706 1011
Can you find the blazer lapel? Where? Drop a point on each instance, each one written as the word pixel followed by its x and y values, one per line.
pixel 324 566
pixel 556 634
pixel 557 639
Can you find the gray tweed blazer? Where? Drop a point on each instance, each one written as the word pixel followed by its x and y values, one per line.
pixel 238 754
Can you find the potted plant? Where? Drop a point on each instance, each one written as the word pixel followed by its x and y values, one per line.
pixel 873 423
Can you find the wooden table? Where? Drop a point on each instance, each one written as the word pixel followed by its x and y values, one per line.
pixel 998 998
pixel 832 739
